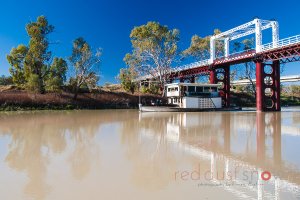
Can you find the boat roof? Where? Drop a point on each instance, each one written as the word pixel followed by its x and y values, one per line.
pixel 193 84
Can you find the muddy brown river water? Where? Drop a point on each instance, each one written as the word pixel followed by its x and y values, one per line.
pixel 127 155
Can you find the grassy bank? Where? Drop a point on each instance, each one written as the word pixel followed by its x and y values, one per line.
pixel 112 97
pixel 248 100
pixel 14 99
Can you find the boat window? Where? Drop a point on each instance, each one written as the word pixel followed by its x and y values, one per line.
pixel 214 89
pixel 206 89
pixel 191 88
pixel 172 89
pixel 199 89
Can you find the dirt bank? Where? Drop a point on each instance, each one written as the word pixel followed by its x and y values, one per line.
pixel 14 99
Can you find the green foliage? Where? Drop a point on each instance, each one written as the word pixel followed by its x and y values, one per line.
pixel 154 36
pixel 86 64
pixel 244 45
pixel 200 47
pixel 295 90
pixel 154 49
pixel 56 75
pixel 126 77
pixel 33 83
pixel 72 84
pixel 152 89
pixel 6 80
pixel 38 55
pixel 92 80
pixel 131 61
pixel 239 88
pixel 144 89
pixel 53 85
pixel 29 65
pixel 16 59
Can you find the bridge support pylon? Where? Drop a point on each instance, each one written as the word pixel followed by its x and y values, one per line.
pixel 212 76
pixel 222 75
pixel 268 86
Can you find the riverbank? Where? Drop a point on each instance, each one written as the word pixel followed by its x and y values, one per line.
pixel 13 100
pixel 249 100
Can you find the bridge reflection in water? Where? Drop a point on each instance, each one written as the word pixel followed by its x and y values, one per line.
pixel 126 155
pixel 249 142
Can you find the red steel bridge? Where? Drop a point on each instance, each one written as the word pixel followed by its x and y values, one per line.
pixel 267 58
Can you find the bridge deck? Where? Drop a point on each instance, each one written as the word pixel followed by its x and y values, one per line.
pixel 283 49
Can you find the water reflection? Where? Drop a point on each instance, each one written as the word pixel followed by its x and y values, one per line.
pixel 127 155
pixel 251 141
pixel 38 137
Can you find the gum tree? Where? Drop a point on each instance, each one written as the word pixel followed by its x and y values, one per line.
pixel 199 47
pixel 154 50
pixel 16 59
pixel 86 64
pixel 57 75
pixel 38 56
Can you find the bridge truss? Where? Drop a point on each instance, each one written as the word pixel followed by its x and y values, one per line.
pixel 269 55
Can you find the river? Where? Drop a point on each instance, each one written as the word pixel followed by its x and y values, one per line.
pixel 127 155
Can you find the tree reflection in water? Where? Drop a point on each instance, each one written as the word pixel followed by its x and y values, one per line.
pixel 35 136
pixel 153 161
pixel 155 144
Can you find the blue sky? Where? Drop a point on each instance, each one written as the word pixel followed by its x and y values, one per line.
pixel 107 23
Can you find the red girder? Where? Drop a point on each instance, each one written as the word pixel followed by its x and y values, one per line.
pixel 236 58
pixel 289 52
pixel 286 54
pixel 191 72
pixel 219 63
pixel 292 59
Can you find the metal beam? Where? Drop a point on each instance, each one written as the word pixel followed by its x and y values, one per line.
pixel 226 47
pixel 258 35
pixel 226 33
pixel 275 34
pixel 249 32
pixel 290 78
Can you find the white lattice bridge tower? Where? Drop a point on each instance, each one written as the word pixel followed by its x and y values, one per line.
pixel 253 27
pixel 267 57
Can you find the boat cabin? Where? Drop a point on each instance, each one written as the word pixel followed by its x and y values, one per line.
pixel 193 95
